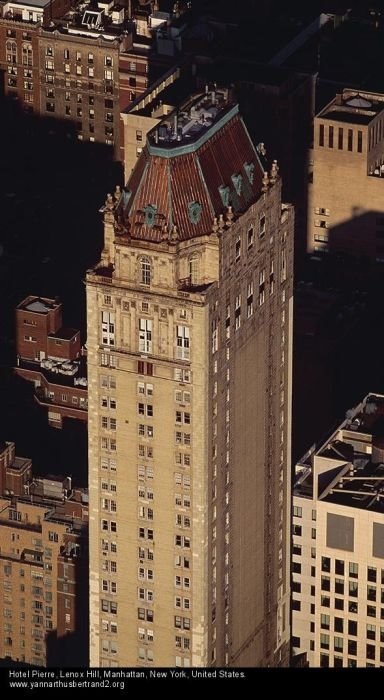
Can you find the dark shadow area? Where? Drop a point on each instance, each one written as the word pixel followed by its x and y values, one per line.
pixel 362 235
pixel 338 340
pixel 71 648
pixel 51 188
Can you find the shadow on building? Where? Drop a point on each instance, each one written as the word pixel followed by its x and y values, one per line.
pixel 339 331
pixel 51 187
pixel 66 648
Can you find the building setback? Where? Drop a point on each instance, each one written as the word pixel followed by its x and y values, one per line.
pixel 189 317
pixel 338 545
pixel 43 567
pixel 50 355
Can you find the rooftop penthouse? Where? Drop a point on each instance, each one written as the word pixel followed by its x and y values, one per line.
pixel 348 468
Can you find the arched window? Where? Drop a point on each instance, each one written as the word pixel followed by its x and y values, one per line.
pixel 11 49
pixel 194 268
pixel 145 271
pixel 27 54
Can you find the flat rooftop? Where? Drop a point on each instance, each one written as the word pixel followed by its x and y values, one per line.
pixel 354 476
pixel 178 90
pixel 27 3
pixel 64 333
pixel 70 373
pixel 19 463
pixel 193 119
pixel 354 107
pixel 38 305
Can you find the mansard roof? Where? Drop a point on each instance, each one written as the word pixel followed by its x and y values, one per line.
pixel 195 164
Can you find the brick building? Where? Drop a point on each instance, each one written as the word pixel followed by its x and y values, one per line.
pixel 51 356
pixel 43 565
pixel 81 65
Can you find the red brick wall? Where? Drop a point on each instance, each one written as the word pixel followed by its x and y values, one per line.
pixel 66 349
pixel 14 82
pixel 36 326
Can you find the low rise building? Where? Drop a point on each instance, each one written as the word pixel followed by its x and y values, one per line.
pixel 43 565
pixel 50 355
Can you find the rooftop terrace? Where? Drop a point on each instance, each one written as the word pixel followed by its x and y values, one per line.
pixel 192 121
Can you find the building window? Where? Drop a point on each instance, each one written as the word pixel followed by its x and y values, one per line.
pixel 325 622
pixel 11 52
pixel 249 299
pixel 108 328
pixel 324 641
pixel 338 644
pixel 194 271
pixel 182 343
pixel 262 226
pixel 339 567
pixel 340 138
pixel 145 271
pixel 350 140
pixel 28 56
pixel 145 335
pixel 325 564
pixel 261 287
pixel 330 137
pixel 238 248
pixel 359 141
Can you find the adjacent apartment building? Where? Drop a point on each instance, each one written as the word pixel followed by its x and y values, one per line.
pixel 51 356
pixel 43 565
pixel 346 212
pixel 189 362
pixel 79 63
pixel 338 544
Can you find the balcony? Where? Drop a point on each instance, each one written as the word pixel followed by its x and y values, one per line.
pixel 186 284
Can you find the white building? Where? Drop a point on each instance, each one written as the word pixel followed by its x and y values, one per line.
pixel 338 544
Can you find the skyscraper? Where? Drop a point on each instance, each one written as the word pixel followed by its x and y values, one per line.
pixel 189 354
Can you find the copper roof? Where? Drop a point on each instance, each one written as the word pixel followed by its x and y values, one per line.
pixel 188 186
